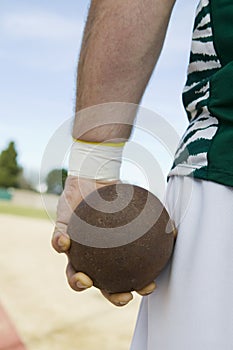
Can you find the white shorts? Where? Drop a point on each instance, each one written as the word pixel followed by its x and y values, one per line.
pixel 192 307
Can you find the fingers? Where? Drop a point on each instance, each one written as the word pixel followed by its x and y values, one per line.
pixel 60 239
pixel 68 201
pixel 122 299
pixel 118 299
pixel 77 280
pixel 147 290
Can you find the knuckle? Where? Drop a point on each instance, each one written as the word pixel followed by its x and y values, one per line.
pixel 72 282
pixel 54 244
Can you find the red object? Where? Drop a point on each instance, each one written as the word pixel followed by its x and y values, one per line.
pixel 9 338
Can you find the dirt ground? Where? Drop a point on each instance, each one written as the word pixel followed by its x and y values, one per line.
pixel 46 312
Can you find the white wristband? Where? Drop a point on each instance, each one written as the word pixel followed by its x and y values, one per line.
pixel 97 161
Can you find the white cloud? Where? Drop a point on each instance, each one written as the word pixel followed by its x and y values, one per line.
pixel 40 25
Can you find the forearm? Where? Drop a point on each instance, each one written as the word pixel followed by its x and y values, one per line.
pixel 121 45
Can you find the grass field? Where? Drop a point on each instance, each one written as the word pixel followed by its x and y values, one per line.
pixel 8 208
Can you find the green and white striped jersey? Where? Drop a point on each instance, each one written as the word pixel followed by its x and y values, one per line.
pixel 206 149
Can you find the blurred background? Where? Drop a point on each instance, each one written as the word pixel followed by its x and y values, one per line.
pixel 39 49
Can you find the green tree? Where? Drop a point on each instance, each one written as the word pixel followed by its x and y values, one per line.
pixel 55 181
pixel 9 168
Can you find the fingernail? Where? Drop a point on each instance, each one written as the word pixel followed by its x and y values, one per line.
pixel 80 285
pixel 151 291
pixel 124 301
pixel 62 241
pixel 147 293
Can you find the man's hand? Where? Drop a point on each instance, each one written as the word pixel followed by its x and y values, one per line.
pixel 75 190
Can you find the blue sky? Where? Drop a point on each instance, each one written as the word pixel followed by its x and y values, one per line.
pixel 39 47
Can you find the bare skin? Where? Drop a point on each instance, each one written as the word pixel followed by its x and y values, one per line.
pixel 121 45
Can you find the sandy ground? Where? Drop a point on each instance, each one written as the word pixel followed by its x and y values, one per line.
pixel 46 312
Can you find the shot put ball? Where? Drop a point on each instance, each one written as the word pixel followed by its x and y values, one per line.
pixel 122 237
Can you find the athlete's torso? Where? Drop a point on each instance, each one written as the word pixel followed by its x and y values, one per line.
pixel 206 150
